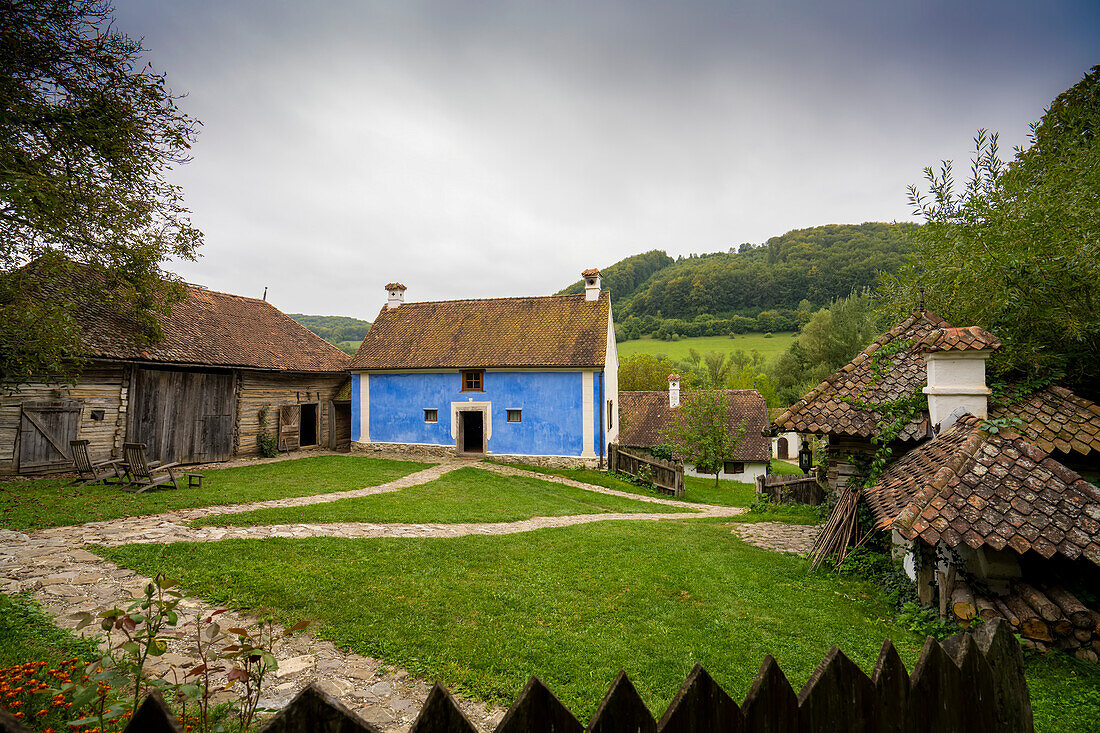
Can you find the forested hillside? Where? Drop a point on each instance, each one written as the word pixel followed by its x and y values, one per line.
pixel 819 264
pixel 334 329
pixel 625 277
pixel 771 287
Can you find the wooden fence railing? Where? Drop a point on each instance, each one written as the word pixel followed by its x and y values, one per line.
pixel 972 682
pixel 790 489
pixel 667 477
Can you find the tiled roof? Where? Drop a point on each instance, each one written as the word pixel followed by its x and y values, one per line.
pixel 1055 419
pixel 835 405
pixel 548 331
pixel 970 338
pixel 970 487
pixel 643 416
pixel 590 272
pixel 206 328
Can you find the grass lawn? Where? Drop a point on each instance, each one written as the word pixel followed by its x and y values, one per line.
pixel 466 495
pixel 27 634
pixel 678 350
pixel 784 468
pixel 34 504
pixel 483 613
pixel 697 490
pixel 573 605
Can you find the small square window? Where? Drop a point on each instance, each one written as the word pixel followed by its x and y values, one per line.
pixel 473 381
pixel 734 467
pixel 515 415
pixel 431 415
pixel 97 414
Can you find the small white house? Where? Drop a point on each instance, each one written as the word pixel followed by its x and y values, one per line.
pixel 785 446
pixel 645 415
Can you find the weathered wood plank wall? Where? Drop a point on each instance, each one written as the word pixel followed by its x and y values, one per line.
pixel 275 389
pixel 100 389
pixel 109 389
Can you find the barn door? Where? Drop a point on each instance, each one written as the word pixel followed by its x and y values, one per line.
pixel 183 416
pixel 290 423
pixel 45 429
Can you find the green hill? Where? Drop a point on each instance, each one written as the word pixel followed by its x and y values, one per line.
pixel 773 287
pixel 343 331
pixel 626 277
pixel 818 264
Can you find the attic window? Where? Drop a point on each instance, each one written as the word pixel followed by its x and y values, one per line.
pixel 473 381
pixel 431 415
pixel 515 416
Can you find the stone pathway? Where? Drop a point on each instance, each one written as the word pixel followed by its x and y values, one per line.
pixel 797 539
pixel 67 579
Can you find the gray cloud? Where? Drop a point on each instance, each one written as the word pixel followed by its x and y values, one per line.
pixel 484 149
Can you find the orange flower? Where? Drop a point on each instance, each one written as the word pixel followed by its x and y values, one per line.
pixel 18 716
pixel 42 713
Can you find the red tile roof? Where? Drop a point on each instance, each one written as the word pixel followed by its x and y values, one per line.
pixel 395 286
pixel 206 328
pixel 1055 419
pixel 970 338
pixel 836 406
pixel 590 272
pixel 547 331
pixel 970 487
pixel 643 416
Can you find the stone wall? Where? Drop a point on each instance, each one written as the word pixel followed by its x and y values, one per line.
pixel 416 452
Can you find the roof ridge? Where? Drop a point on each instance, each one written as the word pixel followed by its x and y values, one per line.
pixel 484 300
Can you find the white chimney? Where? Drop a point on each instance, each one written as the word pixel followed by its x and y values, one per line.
pixel 591 284
pixel 673 390
pixel 395 295
pixel 956 373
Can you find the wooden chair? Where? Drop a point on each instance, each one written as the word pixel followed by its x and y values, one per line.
pixel 144 474
pixel 92 472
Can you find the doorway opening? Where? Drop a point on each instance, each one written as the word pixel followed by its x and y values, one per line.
pixel 782 449
pixel 472 431
pixel 308 434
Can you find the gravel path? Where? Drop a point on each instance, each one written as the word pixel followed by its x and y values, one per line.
pixel 53 566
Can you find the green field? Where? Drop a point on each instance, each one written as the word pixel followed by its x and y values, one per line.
pixel 678 350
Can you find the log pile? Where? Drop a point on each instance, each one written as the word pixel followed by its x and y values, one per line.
pixel 1046 616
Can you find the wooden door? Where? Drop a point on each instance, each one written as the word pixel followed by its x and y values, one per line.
pixel 45 429
pixel 290 422
pixel 183 416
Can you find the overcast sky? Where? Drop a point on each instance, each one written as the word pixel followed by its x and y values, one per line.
pixel 488 149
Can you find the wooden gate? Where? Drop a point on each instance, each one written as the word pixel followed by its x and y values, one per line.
pixel 290 424
pixel 45 429
pixel 183 416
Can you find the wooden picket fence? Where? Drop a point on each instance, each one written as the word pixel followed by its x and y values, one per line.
pixel 790 489
pixel 972 682
pixel 667 477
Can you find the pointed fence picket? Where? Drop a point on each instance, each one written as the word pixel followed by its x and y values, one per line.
pixel 971 682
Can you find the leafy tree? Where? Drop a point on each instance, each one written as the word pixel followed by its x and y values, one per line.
pixel 719 369
pixel 831 338
pixel 701 431
pixel 87 133
pixel 1017 251
pixel 648 372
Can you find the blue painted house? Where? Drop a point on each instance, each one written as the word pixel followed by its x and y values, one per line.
pixel 531 377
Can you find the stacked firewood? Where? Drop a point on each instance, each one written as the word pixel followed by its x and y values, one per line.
pixel 1049 617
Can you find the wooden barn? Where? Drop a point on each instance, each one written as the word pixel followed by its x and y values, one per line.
pixel 194 397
